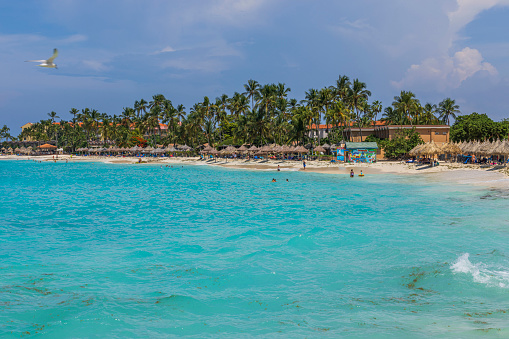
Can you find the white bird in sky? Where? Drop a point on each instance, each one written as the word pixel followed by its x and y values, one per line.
pixel 47 63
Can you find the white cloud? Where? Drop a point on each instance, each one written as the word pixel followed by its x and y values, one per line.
pixel 167 49
pixel 468 10
pixel 447 72
pixel 95 65
pixel 451 69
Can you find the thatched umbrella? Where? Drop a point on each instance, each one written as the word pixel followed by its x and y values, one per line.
pixel 286 149
pixel 326 146
pixel 452 148
pixel 48 147
pixel 484 148
pixel 320 149
pixel 208 149
pixel 415 151
pixel 242 149
pixel 253 149
pixel 301 149
pixel 230 150
pixel 502 148
pixel 430 148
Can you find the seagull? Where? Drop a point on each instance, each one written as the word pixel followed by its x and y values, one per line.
pixel 47 63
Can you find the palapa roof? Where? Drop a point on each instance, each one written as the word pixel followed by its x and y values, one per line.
pixel 301 149
pixel 286 149
pixel 242 148
pixel 320 149
pixel 430 148
pixel 451 148
pixel 253 148
pixel 415 150
pixel 47 146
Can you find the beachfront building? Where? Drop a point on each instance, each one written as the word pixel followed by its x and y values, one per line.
pixel 437 133
pixel 24 127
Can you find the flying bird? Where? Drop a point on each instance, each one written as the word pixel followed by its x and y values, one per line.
pixel 47 63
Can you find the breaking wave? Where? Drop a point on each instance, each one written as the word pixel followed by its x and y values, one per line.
pixel 482 273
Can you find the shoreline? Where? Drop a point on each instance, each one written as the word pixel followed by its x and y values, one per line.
pixel 491 176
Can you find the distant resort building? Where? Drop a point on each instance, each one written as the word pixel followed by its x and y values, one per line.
pixel 437 133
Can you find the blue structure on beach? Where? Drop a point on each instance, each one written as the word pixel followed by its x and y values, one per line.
pixel 361 151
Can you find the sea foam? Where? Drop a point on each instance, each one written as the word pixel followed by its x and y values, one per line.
pixel 481 273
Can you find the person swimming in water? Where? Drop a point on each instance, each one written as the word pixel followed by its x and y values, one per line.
pixel 352 174
pixel 273 180
pixel 361 175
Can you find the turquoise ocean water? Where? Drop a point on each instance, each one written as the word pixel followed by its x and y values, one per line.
pixel 116 251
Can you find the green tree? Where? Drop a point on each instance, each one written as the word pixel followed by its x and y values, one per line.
pixel 447 108
pixel 477 127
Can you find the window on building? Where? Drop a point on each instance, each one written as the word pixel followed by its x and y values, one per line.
pixel 437 133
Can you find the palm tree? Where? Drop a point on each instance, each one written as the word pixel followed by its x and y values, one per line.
pixel 54 115
pixel 376 108
pixel 311 100
pixel 427 116
pixel 358 94
pixel 252 90
pixel 407 104
pixel 448 108
pixel 342 87
pixel 326 97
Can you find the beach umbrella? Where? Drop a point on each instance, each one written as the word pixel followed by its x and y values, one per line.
pixel 286 149
pixel 253 149
pixel 430 148
pixel 48 146
pixel 326 146
pixel 502 148
pixel 484 148
pixel 170 149
pixel 415 151
pixel 320 149
pixel 301 149
pixel 208 149
pixel 494 146
pixel 242 149
pixel 453 148
pixel 230 149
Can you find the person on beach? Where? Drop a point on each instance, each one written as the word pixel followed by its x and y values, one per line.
pixel 278 169
pixel 304 164
pixel 352 174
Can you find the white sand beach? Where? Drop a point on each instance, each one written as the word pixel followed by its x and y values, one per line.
pixel 490 176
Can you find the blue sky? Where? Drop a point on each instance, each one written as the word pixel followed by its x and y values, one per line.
pixel 114 52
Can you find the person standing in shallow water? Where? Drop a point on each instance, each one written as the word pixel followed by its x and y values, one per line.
pixel 352 174
pixel 304 164
pixel 278 169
